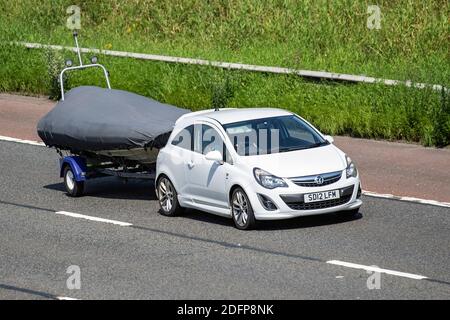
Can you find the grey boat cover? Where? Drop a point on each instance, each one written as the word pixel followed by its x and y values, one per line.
pixel 93 119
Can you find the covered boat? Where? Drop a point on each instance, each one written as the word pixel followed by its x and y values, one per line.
pixel 109 123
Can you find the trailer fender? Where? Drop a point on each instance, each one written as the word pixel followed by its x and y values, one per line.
pixel 78 166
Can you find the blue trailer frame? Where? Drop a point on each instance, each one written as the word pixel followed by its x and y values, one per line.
pixel 78 169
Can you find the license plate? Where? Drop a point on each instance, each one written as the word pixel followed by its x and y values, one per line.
pixel 321 196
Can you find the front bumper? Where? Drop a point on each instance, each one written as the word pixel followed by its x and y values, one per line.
pixel 289 201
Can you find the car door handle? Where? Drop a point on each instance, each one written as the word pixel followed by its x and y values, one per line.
pixel 191 164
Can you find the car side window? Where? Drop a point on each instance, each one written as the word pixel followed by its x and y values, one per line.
pixel 185 138
pixel 211 141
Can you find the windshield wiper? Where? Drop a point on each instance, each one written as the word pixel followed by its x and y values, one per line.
pixel 287 149
pixel 315 145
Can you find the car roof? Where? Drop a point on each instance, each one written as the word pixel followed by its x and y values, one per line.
pixel 229 115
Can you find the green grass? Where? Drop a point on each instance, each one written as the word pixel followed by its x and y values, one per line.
pixel 320 35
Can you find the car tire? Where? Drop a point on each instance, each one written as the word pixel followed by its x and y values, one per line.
pixel 73 188
pixel 241 210
pixel 167 198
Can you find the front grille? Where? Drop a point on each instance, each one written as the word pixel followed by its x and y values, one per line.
pixel 310 181
pixel 296 202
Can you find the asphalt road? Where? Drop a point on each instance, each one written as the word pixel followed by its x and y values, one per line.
pixel 199 255
pixel 385 167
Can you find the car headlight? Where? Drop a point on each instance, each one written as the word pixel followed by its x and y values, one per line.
pixel 351 170
pixel 268 180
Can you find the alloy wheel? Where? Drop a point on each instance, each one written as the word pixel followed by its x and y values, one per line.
pixel 165 192
pixel 240 208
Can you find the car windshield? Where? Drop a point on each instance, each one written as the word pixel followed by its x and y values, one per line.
pixel 272 135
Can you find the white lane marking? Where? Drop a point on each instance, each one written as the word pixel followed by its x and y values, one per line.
pixel 407 199
pixel 82 216
pixel 376 269
pixel 66 298
pixel 364 192
pixel 34 143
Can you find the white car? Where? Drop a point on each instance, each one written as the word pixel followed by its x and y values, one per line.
pixel 254 164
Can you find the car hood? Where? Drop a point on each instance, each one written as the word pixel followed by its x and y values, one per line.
pixel 299 163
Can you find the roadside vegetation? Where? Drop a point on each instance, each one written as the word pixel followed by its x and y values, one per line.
pixel 412 44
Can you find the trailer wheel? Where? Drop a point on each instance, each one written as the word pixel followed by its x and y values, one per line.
pixel 167 198
pixel 74 188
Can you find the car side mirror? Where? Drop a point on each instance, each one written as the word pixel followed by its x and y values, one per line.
pixel 330 139
pixel 214 156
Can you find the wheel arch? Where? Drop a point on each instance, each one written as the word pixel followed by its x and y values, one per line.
pixel 168 176
pixel 76 164
pixel 234 187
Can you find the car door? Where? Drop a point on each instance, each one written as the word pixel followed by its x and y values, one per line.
pixel 182 149
pixel 207 179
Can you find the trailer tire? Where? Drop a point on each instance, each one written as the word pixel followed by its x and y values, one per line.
pixel 73 188
pixel 167 198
